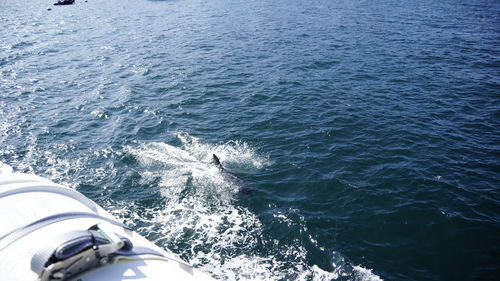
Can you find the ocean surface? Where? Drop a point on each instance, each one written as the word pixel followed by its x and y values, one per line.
pixel 367 131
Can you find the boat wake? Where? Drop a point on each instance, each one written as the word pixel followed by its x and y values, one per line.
pixel 201 219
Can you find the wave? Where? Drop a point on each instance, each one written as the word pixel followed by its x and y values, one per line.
pixel 200 217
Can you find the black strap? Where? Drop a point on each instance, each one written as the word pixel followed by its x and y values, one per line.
pixel 78 251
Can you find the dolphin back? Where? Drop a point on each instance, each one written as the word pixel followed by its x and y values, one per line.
pixel 245 188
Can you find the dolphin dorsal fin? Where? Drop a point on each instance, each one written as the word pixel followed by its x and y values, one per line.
pixel 216 161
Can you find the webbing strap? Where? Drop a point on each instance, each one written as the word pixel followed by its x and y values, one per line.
pixel 78 251
pixel 16 234
pixel 72 243
pixel 77 240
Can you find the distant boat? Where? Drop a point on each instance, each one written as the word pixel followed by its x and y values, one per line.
pixel 64 2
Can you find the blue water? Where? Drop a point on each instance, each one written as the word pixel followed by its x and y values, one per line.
pixel 368 130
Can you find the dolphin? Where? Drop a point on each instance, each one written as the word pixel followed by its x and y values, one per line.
pixel 216 162
pixel 245 188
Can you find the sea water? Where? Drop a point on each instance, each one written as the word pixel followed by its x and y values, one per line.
pixel 368 130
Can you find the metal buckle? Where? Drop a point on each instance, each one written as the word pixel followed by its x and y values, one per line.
pixel 97 255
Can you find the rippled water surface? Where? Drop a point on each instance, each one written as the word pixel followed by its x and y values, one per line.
pixel 367 131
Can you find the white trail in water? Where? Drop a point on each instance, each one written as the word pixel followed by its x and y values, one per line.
pixel 219 235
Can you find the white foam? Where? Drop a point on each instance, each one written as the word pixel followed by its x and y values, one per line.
pixel 200 213
pixel 363 274
pixel 236 153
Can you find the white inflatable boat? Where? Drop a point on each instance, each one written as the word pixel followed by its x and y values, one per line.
pixel 52 232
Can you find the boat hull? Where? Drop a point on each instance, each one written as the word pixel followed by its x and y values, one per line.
pixel 34 210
